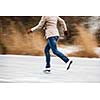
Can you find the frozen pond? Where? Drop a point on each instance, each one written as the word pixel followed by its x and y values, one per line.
pixel 17 68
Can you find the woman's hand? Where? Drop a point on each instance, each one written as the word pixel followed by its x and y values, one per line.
pixel 29 31
pixel 66 34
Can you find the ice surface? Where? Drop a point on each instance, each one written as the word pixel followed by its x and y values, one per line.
pixel 18 68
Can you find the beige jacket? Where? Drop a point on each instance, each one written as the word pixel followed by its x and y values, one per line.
pixel 49 23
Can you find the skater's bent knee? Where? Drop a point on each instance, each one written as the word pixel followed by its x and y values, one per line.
pixel 55 52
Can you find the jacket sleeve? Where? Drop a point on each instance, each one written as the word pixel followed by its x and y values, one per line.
pixel 63 24
pixel 40 25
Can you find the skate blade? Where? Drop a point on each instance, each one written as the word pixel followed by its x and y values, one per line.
pixel 69 65
pixel 47 72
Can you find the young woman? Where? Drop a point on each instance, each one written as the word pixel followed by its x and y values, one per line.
pixel 49 24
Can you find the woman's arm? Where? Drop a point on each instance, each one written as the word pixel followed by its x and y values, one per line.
pixel 63 24
pixel 40 25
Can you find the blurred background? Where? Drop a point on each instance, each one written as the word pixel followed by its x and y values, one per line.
pixel 84 34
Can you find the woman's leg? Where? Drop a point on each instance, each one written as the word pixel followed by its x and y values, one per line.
pixel 47 54
pixel 53 45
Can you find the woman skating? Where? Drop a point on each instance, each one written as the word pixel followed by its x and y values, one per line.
pixel 49 24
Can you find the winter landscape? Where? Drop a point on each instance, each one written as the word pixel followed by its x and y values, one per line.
pixel 22 57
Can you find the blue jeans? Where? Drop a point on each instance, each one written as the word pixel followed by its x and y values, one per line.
pixel 52 44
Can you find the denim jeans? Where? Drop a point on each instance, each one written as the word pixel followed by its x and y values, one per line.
pixel 52 44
